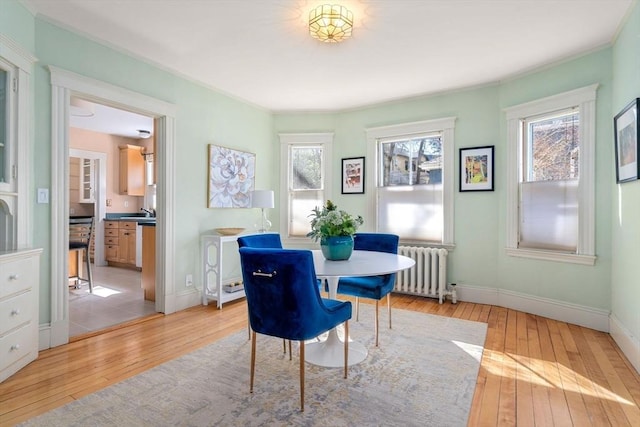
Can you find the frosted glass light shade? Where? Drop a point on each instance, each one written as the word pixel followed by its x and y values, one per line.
pixel 262 199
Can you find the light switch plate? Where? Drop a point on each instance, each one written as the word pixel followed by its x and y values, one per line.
pixel 43 195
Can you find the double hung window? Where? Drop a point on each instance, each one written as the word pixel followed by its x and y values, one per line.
pixel 306 157
pixel 414 180
pixel 551 164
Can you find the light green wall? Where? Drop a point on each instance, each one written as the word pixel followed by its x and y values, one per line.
pixel 479 258
pixel 476 215
pixel 17 23
pixel 583 285
pixel 625 224
pixel 203 117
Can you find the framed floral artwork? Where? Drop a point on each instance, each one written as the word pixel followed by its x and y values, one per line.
pixel 231 177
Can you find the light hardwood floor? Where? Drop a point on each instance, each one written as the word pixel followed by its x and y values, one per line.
pixel 534 371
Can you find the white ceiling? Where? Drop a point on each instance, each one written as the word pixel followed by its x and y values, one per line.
pixel 260 51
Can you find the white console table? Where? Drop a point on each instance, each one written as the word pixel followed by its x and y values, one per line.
pixel 212 269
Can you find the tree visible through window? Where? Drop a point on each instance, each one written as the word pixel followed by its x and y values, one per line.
pixel 412 162
pixel 554 147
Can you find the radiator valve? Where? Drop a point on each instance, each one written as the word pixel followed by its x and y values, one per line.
pixel 454 294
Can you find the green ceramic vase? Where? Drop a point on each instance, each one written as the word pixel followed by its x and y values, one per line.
pixel 337 248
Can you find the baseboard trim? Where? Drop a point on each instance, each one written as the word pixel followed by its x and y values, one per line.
pixel 189 298
pixel 558 310
pixel 629 345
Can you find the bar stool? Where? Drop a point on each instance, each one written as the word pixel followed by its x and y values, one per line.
pixel 80 235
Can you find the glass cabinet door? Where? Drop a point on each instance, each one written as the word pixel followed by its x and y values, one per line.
pixel 87 181
pixel 4 125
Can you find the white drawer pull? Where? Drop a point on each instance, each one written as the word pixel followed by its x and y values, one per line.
pixel 13 277
pixel 15 311
pixel 15 347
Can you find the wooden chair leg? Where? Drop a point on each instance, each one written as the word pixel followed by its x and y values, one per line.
pixel 346 348
pixel 253 360
pixel 376 322
pixel 389 308
pixel 301 376
pixel 290 350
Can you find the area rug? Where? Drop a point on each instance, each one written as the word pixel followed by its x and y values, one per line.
pixel 423 374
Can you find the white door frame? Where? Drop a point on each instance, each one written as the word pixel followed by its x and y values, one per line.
pixel 64 84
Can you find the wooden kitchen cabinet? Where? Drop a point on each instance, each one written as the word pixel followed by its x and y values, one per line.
pixel 132 167
pixel 120 243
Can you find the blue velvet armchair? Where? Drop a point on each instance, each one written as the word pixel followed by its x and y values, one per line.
pixel 262 240
pixel 372 287
pixel 284 301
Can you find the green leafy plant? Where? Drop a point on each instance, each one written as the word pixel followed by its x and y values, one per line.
pixel 330 222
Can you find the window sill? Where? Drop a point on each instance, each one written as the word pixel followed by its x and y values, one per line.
pixel 552 256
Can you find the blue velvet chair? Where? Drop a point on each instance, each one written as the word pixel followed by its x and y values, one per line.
pixel 284 301
pixel 263 240
pixel 372 287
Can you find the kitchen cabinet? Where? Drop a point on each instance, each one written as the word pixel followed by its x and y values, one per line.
pixel 87 181
pixel 132 169
pixel 148 275
pixel 120 243
pixel 19 307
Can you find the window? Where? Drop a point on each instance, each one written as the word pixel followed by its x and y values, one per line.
pixel 305 183
pixel 413 183
pixel 550 201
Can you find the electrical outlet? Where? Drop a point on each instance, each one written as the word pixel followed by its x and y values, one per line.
pixel 71 211
pixel 189 280
pixel 126 204
pixel 108 202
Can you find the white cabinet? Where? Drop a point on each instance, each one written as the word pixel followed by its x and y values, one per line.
pixel 86 186
pixel 19 289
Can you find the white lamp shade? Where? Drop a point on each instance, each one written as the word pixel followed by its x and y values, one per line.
pixel 262 199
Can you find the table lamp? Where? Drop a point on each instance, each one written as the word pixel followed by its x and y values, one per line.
pixel 262 199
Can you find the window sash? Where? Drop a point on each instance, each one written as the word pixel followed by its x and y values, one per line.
pixel 549 215
pixel 398 213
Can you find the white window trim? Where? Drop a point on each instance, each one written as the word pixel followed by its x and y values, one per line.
pixel 446 126
pixel 585 99
pixel 300 139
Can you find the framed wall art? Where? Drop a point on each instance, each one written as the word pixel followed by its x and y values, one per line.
pixel 476 168
pixel 231 177
pixel 353 175
pixel 627 134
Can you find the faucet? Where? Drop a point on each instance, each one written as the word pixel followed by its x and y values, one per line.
pixel 148 213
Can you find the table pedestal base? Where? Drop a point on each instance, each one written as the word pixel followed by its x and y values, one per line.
pixel 330 352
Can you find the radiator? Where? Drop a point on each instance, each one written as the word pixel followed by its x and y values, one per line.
pixel 428 277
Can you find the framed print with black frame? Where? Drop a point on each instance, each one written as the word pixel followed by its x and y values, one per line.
pixel 476 168
pixel 627 135
pixel 353 175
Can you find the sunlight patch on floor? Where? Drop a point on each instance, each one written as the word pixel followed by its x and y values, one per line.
pixel 104 292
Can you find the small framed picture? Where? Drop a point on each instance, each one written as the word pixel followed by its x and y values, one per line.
pixel 476 168
pixel 627 134
pixel 353 175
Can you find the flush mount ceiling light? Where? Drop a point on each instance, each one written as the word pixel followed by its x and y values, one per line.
pixel 144 134
pixel 81 108
pixel 330 23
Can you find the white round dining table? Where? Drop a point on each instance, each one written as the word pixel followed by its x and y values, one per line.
pixel 330 352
